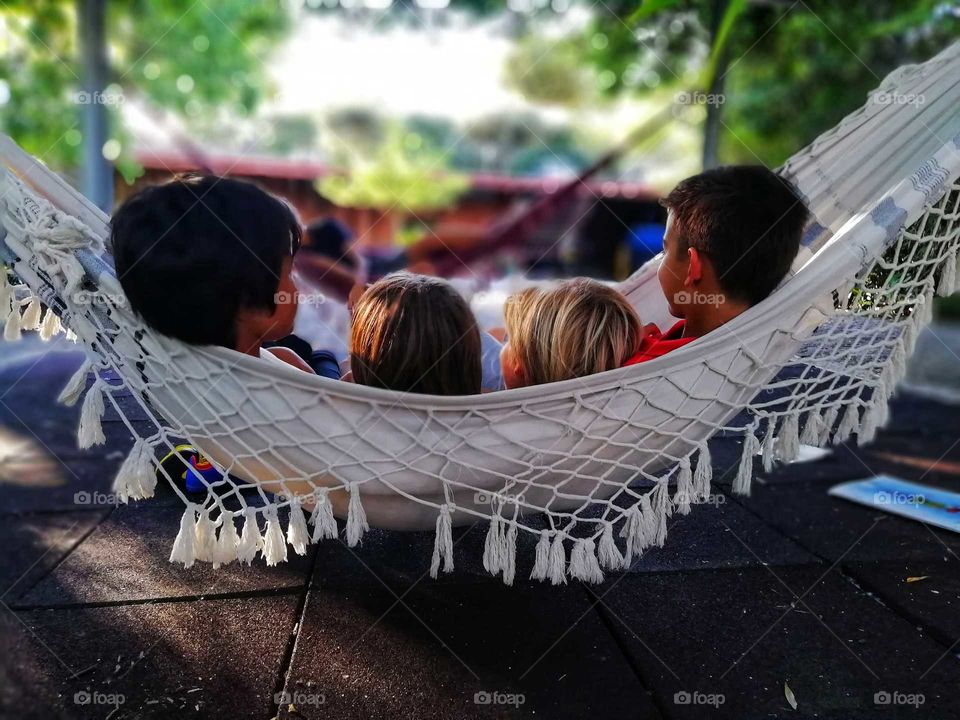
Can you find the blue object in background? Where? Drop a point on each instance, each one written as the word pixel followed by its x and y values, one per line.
pixel 490 363
pixel 646 242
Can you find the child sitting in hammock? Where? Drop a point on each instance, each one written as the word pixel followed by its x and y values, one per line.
pixel 575 329
pixel 415 333
pixel 732 235
pixel 207 260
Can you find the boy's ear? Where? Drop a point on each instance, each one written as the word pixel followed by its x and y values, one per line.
pixel 694 267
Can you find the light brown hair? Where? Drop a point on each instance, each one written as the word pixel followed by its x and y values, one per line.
pixel 415 333
pixel 577 328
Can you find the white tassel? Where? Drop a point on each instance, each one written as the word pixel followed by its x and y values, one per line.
pixel 926 309
pixel 509 558
pixel 788 441
pixel 251 541
pixel 948 276
pixel 633 530
pixel 684 494
pixel 51 325
pixel 6 295
pixel 661 509
pixel 607 551
pixel 826 425
pixel 594 573
pixel 11 331
pixel 228 541
pixel 297 534
pixel 812 428
pixel 648 521
pixel 910 332
pixel 183 546
pixel 898 364
pixel 70 336
pixel 769 444
pixel 356 517
pixel 875 417
pixel 492 545
pixel 541 563
pixel 31 318
pixel 146 471
pixel 324 524
pixel 741 483
pixel 557 567
pixel 703 475
pixel 274 547
pixel 848 423
pixel 583 563
pixel 90 432
pixel 136 479
pixel 442 543
pixel 883 414
pixel 75 385
pixel 205 539
pixel 125 485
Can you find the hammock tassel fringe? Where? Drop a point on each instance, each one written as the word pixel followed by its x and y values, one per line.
pixel 183 546
pixel 274 544
pixel 298 537
pixel 324 524
pixel 541 564
pixel 137 478
pixel 751 446
pixel 251 541
pixel 583 562
pixel 90 432
pixel 442 543
pixel 356 517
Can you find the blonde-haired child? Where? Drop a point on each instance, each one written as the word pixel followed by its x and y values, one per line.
pixel 577 328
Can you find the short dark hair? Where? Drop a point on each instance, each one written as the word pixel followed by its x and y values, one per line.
pixel 415 333
pixel 747 220
pixel 329 237
pixel 192 252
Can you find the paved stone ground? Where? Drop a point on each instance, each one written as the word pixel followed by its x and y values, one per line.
pixel 789 587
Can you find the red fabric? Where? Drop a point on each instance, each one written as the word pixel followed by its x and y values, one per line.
pixel 655 343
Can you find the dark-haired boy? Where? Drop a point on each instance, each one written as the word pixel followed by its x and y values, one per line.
pixel 732 234
pixel 207 260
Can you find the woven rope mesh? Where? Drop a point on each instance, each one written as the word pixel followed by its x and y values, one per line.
pixel 592 465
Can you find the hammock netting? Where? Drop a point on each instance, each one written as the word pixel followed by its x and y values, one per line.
pixel 591 467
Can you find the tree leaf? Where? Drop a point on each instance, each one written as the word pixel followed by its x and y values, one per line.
pixel 788 694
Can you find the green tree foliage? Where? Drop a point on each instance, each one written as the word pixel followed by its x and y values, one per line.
pixel 177 54
pixel 400 172
pixel 790 71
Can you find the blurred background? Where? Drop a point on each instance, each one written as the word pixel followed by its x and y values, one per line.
pixel 450 119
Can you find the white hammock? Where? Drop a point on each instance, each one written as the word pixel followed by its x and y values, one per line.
pixel 814 363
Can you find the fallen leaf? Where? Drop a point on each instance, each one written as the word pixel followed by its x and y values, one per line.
pixel 917 578
pixel 788 694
